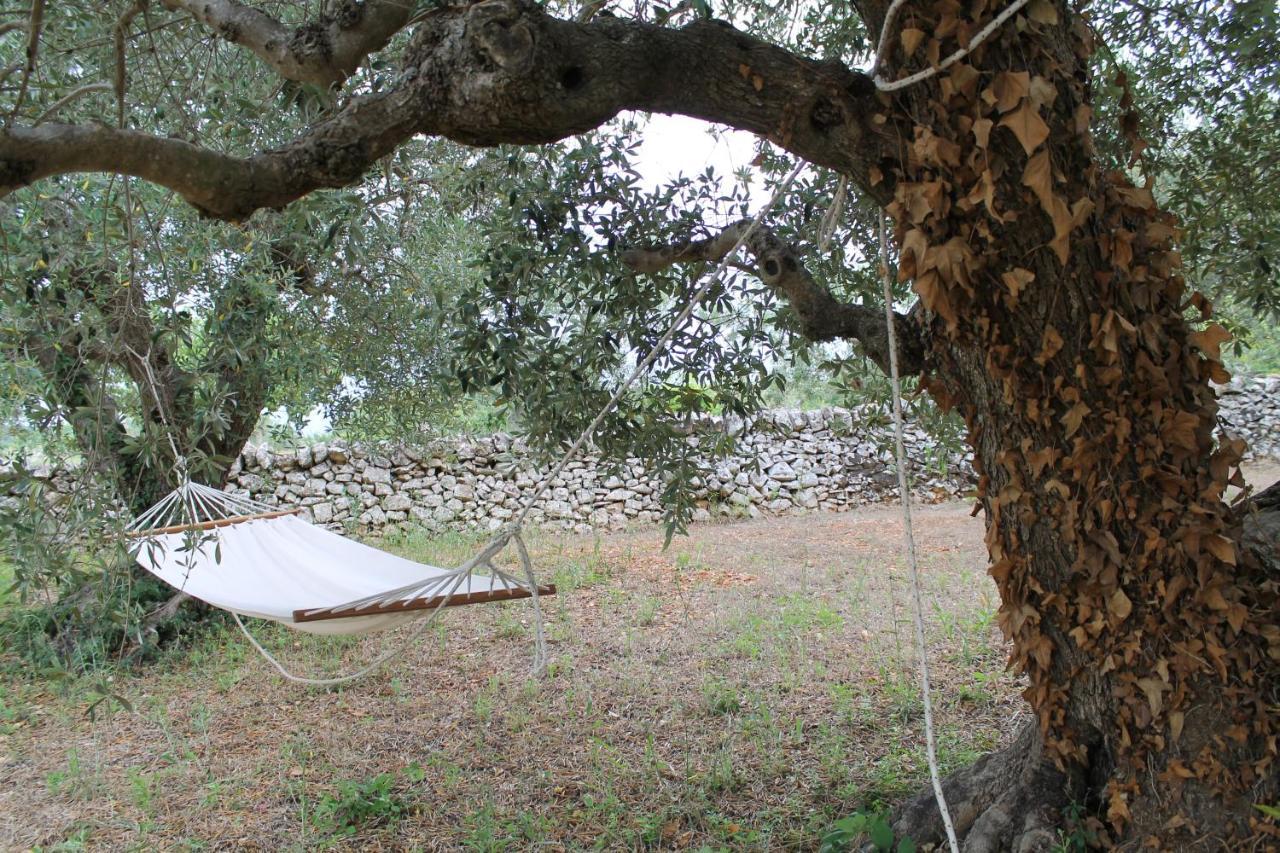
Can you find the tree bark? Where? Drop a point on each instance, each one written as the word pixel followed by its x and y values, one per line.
pixel 1055 326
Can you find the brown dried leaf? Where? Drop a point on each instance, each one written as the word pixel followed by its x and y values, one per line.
pixel 1026 124
pixel 1038 176
pixel 1042 93
pixel 1175 588
pixel 934 296
pixel 923 199
pixel 1180 430
pixel 1139 197
pixel 1153 687
pixel 1119 604
pixel 1042 12
pixel 914 247
pixel 1080 211
pixel 911 38
pixel 1050 345
pixel 1009 88
pixel 982 131
pixel 1213 597
pixel 1210 341
pixel 1061 217
pixel 936 150
pixel 1075 417
pixel 1176 719
pixel 1081 119
pixel 1221 547
pixel 963 80
pixel 1237 613
pixel 1039 459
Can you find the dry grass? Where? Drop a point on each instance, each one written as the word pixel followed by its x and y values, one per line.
pixel 740 690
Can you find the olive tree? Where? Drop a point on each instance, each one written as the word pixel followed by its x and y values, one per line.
pixel 1053 313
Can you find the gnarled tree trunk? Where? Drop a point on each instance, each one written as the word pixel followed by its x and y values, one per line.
pixel 1056 326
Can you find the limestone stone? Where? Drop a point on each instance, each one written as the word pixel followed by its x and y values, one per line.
pixel 782 472
pixel 397 503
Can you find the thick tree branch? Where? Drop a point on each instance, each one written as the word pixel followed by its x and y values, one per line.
pixel 503 72
pixel 325 52
pixel 822 316
pixel 333 153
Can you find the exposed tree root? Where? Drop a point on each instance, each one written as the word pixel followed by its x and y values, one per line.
pixel 1011 800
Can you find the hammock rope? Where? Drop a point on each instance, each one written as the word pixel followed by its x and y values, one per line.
pixel 883 85
pixel 192 501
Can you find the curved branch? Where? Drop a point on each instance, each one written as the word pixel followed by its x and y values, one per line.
pixel 822 316
pixel 497 72
pixel 333 153
pixel 323 53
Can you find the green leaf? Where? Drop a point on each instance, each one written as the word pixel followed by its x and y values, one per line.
pixel 881 834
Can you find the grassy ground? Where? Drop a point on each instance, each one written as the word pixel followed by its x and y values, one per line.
pixel 741 690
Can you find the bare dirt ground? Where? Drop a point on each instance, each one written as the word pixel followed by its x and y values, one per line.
pixel 739 690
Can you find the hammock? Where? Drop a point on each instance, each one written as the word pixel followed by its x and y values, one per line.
pixel 254 560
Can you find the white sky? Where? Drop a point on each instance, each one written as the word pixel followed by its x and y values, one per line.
pixel 675 145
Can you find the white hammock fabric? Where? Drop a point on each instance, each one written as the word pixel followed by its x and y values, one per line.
pixel 252 559
pixel 269 568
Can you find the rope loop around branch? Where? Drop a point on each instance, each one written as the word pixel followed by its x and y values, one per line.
pixel 882 48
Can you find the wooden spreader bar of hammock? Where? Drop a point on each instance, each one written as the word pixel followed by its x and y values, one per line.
pixel 424 603
pixel 209 525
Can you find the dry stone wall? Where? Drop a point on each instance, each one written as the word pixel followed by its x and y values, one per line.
pixel 785 462
pixel 1250 409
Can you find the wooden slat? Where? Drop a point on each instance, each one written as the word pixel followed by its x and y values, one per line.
pixel 209 525
pixel 306 615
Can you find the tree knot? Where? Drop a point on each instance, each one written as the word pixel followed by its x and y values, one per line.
pixel 499 30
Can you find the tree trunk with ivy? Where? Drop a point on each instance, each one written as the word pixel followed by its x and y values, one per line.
pixel 1056 326
pixel 1141 605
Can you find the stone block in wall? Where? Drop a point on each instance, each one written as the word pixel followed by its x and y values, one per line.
pixel 397 503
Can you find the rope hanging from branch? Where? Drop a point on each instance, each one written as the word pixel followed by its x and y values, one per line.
pixel 904 493
pixel 883 85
